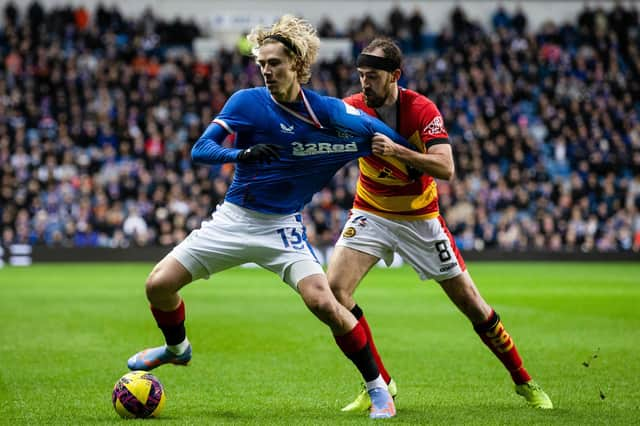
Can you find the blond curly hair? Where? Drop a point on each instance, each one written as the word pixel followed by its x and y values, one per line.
pixel 301 36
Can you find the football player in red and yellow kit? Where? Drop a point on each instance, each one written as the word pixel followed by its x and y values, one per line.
pixel 396 211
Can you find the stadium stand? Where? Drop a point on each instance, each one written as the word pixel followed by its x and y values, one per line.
pixel 98 113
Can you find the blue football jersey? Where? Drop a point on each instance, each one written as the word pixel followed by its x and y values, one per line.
pixel 314 145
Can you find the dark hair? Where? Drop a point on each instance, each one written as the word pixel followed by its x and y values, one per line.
pixel 389 48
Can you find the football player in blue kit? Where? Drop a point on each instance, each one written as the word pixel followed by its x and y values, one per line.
pixel 289 143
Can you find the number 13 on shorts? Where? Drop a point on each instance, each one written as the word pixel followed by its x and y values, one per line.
pixel 292 237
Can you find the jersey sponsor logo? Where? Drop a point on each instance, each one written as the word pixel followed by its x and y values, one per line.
pixel 349 232
pixel 286 129
pixel 305 149
pixel 436 126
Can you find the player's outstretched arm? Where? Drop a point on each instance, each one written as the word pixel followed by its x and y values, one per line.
pixel 235 116
pixel 208 148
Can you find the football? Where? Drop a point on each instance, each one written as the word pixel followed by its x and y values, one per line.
pixel 138 394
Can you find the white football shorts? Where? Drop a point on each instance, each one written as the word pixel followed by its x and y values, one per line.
pixel 426 245
pixel 236 235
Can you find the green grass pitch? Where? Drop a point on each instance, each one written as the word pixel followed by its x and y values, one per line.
pixel 260 357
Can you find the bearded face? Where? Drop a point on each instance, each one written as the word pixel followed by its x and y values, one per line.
pixel 376 86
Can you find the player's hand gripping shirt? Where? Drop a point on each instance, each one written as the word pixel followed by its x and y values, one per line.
pixel 384 186
pixel 317 137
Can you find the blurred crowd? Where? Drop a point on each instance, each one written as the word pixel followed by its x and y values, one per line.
pixel 98 113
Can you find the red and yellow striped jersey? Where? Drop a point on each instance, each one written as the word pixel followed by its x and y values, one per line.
pixel 384 186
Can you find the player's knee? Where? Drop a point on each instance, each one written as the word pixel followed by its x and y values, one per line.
pixel 313 300
pixel 342 294
pixel 326 308
pixel 334 284
pixel 321 303
pixel 338 289
pixel 156 285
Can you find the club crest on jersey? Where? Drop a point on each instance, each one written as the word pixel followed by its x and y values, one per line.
pixel 349 232
pixel 286 129
pixel 385 173
pixel 436 127
pixel 343 134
